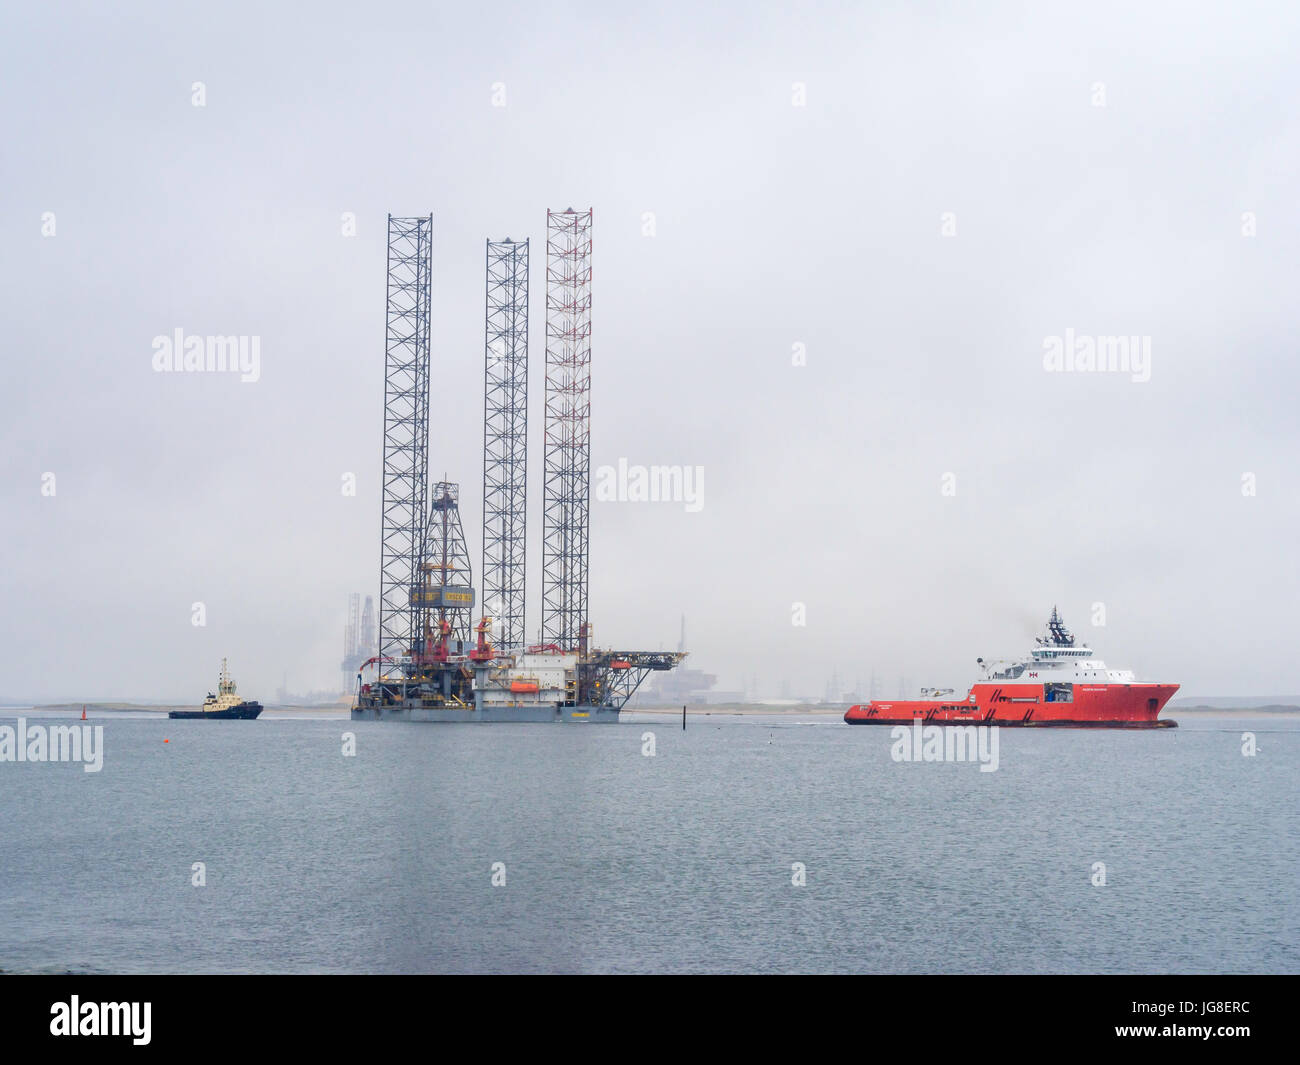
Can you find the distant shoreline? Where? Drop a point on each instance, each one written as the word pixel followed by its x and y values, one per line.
pixel 816 709
pixel 722 709
pixel 153 708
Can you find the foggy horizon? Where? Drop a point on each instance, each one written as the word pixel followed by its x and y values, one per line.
pixel 834 253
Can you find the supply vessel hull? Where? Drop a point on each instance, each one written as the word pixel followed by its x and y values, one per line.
pixel 1089 706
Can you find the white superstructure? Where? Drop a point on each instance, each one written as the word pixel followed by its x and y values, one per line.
pixel 1057 658
pixel 226 695
pixel 534 678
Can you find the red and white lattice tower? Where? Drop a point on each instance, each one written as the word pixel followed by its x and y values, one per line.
pixel 566 507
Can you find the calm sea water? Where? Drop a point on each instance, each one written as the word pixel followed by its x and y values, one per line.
pixel 618 862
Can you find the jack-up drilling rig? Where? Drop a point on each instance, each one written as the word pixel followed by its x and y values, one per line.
pixel 429 667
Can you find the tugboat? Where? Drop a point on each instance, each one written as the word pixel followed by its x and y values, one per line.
pixel 1058 683
pixel 225 705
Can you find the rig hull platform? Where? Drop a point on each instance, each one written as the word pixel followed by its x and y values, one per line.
pixel 487 714
pixel 539 684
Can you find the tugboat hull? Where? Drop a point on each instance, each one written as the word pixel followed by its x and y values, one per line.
pixel 242 712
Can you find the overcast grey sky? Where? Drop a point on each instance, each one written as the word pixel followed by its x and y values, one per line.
pixel 962 183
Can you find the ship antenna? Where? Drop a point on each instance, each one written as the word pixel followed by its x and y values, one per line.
pixel 1060 635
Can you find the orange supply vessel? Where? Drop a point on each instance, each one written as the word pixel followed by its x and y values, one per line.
pixel 1058 683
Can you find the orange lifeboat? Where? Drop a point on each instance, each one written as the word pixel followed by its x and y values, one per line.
pixel 518 686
